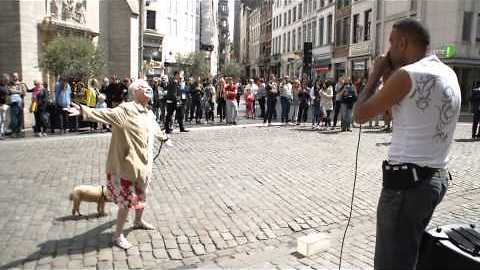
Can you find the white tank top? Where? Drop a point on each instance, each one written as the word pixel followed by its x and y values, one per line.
pixel 425 120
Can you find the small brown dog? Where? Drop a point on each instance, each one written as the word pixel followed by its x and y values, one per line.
pixel 89 193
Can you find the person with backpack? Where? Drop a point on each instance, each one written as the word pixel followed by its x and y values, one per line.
pixel 349 97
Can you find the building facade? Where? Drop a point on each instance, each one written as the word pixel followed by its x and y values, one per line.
pixel 244 26
pixel 453 24
pixel 28 26
pixel 360 53
pixel 287 37
pixel 209 33
pixel 223 35
pixel 172 22
pixel 254 43
pixel 343 11
pixel 265 36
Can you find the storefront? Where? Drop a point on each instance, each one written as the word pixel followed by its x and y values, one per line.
pixel 359 68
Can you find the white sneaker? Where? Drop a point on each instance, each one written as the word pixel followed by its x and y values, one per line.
pixel 122 242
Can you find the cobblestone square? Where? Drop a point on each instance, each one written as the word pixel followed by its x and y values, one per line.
pixel 222 197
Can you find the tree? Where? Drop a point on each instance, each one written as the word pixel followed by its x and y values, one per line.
pixel 73 57
pixel 234 70
pixel 195 64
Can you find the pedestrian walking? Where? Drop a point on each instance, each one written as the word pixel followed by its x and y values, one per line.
pixel 130 160
pixel 415 176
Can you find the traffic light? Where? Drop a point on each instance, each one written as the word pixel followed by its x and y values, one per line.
pixel 307 52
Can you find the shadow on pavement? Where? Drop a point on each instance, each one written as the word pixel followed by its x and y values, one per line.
pixel 75 245
pixel 75 218
pixel 328 132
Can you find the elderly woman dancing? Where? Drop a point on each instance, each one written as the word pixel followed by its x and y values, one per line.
pixel 130 156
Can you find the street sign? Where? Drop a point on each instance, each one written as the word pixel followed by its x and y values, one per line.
pixel 448 51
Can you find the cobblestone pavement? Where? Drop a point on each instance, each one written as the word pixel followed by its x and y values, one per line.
pixel 235 197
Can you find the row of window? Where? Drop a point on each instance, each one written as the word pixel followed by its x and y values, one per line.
pixel 293 40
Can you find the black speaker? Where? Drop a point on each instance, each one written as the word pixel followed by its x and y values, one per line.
pixel 307 52
pixel 450 247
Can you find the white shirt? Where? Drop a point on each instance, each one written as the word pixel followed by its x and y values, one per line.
pixel 425 120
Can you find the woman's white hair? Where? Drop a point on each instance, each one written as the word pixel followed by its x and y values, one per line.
pixel 137 85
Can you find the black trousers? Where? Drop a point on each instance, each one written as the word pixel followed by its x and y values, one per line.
pixel 271 109
pixel 336 112
pixel 196 109
pixel 476 120
pixel 302 112
pixel 41 121
pixel 221 108
pixel 261 101
pixel 179 115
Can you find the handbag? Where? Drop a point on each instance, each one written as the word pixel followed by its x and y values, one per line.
pixel 33 106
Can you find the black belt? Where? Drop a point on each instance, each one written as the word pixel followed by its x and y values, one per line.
pixel 408 175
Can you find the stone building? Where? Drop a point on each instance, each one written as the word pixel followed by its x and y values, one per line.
pixel 453 25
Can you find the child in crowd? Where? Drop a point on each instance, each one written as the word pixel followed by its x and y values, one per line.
pixel 249 99
pixel 102 105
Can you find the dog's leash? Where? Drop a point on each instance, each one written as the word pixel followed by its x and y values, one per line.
pixel 159 149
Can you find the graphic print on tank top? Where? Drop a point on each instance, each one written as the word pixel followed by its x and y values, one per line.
pixel 425 85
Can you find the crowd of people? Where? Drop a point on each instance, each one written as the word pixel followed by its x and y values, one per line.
pixel 177 100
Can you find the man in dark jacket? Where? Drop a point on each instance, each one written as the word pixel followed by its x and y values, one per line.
pixel 175 101
pixel 476 111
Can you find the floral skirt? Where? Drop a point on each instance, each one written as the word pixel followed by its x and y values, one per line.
pixel 124 193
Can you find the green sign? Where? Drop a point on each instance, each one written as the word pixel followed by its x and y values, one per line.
pixel 449 51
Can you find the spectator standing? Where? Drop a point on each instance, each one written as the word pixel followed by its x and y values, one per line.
pixel 316 105
pixel 262 97
pixel 39 109
pixel 63 94
pixel 295 101
pixel 231 96
pixel 349 97
pixel 17 91
pixel 272 94
pixel 304 101
pixel 197 95
pixel 337 105
pixel 327 101
pixel 209 101
pixel 285 99
pixel 221 102
pixel 3 104
pixel 476 111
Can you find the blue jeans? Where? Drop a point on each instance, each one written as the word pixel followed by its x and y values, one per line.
pixel 285 102
pixel 402 217
pixel 316 114
pixel 346 116
pixel 16 117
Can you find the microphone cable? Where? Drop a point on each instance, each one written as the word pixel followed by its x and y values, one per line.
pixel 353 197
